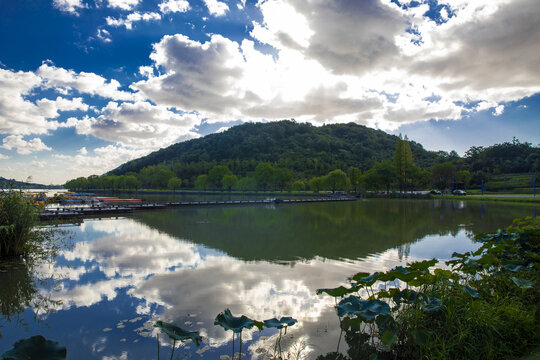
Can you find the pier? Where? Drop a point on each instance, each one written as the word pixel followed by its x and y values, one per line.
pixel 111 210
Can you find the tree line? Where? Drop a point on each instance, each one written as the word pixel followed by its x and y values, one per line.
pixel 401 174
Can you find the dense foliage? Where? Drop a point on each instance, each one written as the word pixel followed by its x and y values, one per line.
pixel 485 307
pixel 301 148
pixel 17 219
pixel 278 155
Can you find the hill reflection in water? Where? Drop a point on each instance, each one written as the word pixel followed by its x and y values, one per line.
pixel 187 265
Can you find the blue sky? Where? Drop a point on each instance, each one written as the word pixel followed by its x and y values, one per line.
pixel 86 85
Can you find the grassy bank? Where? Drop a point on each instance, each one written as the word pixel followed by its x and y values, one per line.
pixel 525 199
pixel 484 306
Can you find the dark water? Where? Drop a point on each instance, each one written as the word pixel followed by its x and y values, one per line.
pixel 100 297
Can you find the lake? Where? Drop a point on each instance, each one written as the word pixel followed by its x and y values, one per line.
pixel 101 295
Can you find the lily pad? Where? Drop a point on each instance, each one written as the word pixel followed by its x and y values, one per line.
pixel 36 347
pixel 177 333
pixel 366 309
pixel 471 292
pixel 522 283
pixel 279 324
pixel 230 322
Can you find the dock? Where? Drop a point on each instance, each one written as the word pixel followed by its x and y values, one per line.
pixel 61 213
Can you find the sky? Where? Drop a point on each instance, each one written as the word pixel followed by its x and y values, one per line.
pixel 86 85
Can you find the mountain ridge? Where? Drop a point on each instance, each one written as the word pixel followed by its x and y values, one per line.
pixel 286 143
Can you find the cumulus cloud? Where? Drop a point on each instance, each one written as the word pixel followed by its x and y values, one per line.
pixel 22 146
pixel 3 157
pixel 216 8
pixel 98 161
pixel 123 4
pixel 17 114
pixel 70 6
pixel 50 108
pixel 64 80
pixel 138 125
pixel 371 62
pixel 128 21
pixel 174 6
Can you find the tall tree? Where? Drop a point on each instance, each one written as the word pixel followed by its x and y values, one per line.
pixel 402 162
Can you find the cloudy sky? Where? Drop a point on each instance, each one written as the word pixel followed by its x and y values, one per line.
pixel 86 85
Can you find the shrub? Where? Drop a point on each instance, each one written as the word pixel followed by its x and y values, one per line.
pixel 17 221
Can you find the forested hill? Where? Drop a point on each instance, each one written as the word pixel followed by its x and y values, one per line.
pixel 302 148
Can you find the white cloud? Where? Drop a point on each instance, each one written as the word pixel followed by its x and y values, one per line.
pixel 104 35
pixel 64 80
pixel 174 6
pixel 123 4
pixel 498 110
pixel 355 61
pixel 138 125
pixel 70 6
pixel 22 146
pixel 128 21
pixel 50 108
pixel 18 115
pixel 216 8
pixel 3 157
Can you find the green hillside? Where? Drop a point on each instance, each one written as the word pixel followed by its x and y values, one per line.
pixel 302 148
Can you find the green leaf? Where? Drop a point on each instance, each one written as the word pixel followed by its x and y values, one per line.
pixel 512 267
pixel 337 292
pixel 230 322
pixel 431 304
pixel 177 333
pixel 373 357
pixel 420 336
pixel 359 275
pixel 366 309
pixel 287 320
pixel 36 347
pixel 367 280
pixel 524 284
pixel 423 265
pixel 471 292
pixel 388 338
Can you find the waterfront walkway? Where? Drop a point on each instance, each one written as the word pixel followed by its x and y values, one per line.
pixel 71 212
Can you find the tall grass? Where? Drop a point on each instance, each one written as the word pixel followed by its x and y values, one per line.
pixel 17 221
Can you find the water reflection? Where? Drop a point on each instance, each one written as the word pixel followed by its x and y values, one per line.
pixel 185 266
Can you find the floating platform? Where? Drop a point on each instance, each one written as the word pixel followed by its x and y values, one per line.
pixel 108 210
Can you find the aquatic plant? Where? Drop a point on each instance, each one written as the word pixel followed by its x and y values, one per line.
pixel 36 347
pixel 236 324
pixel 177 334
pixel 280 324
pixel 17 219
pixel 483 307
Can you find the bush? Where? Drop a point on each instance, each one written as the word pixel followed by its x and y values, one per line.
pixel 486 307
pixel 17 221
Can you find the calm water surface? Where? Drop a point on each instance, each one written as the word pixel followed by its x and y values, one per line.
pixel 101 295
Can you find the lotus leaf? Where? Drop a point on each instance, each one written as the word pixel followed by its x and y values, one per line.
pixel 177 333
pixel 338 292
pixel 367 280
pixel 230 322
pixel 388 338
pixel 524 284
pixel 431 304
pixel 36 347
pixel 471 292
pixel 279 324
pixel 423 265
pixel 512 267
pixel 366 309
